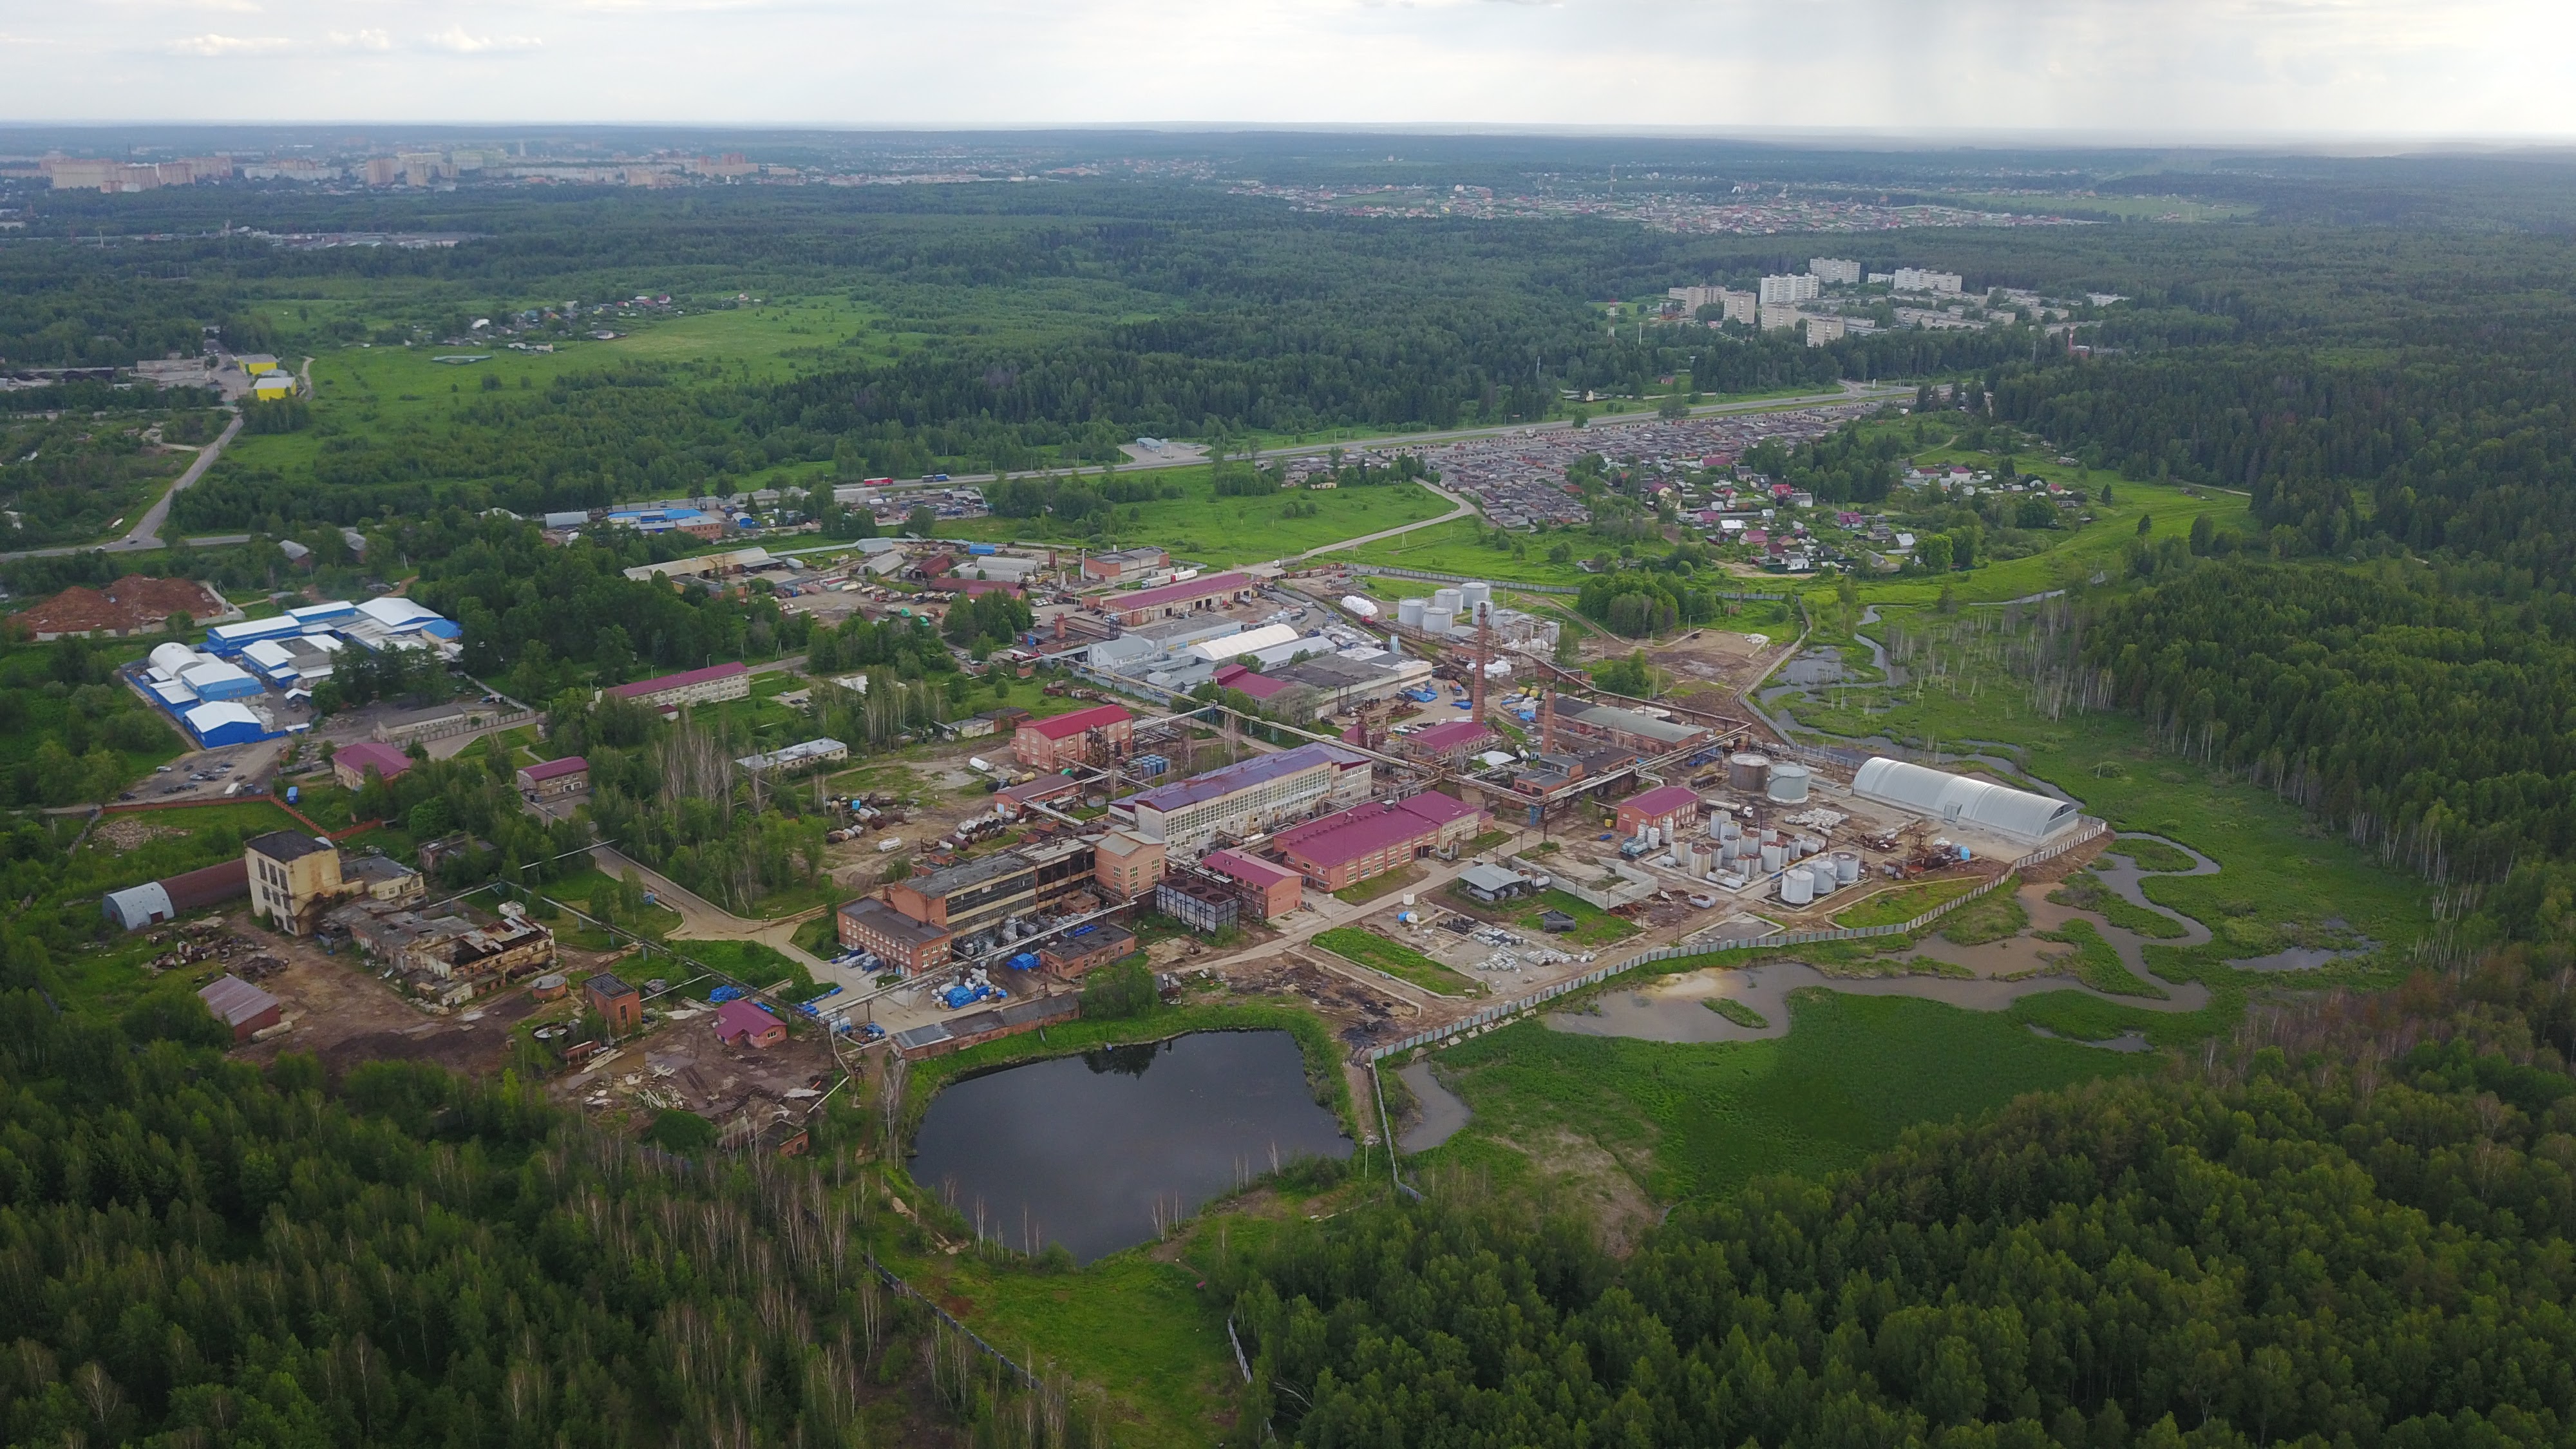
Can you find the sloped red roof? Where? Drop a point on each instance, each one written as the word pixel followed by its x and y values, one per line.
pixel 1176 593
pixel 1066 726
pixel 1662 800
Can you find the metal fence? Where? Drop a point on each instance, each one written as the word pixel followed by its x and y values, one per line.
pixel 2088 830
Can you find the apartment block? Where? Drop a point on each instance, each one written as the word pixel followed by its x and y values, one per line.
pixel 1833 270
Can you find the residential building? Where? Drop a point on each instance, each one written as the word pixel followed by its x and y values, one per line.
pixel 351 763
pixel 1126 865
pixel 292 878
pixel 1833 270
pixel 904 944
pixel 1787 290
pixel 744 1024
pixel 1916 279
pixel 1670 809
pixel 1278 891
pixel 1777 318
pixel 544 781
pixel 1372 839
pixel 1739 306
pixel 1125 565
pixel 1070 739
pixel 1629 729
pixel 691 686
pixel 1246 797
pixel 1821 330
pixel 615 1002
pixel 239 1005
pixel 1172 600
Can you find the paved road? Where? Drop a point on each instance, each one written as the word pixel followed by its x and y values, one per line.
pixel 1462 509
pixel 146 533
pixel 703 920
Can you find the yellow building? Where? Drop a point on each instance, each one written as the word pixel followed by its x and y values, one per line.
pixel 272 387
pixel 293 878
pixel 257 364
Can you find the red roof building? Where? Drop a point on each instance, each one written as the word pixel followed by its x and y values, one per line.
pixel 350 763
pixel 690 686
pixel 1047 744
pixel 555 777
pixel 1280 890
pixel 1668 808
pixel 1148 605
pixel 1372 839
pixel 1257 686
pixel 740 1023
pixel 1448 743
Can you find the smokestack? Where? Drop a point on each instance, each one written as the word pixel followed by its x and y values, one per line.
pixel 1484 656
pixel 1547 721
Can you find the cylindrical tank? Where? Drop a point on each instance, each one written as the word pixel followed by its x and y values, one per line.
pixel 1773 857
pixel 1652 837
pixel 1474 597
pixel 1822 873
pixel 1846 866
pixel 1788 783
pixel 1797 888
pixel 1408 612
pixel 1437 620
pixel 1747 771
pixel 1449 599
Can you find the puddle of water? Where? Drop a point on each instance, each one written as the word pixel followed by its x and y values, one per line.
pixel 2301 958
pixel 1675 1009
pixel 1442 1111
pixel 1086 1150
pixel 2132 1040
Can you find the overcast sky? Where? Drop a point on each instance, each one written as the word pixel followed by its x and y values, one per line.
pixel 2148 69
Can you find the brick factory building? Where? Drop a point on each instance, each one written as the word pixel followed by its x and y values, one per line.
pixel 1052 743
pixel 1671 809
pixel 1172 600
pixel 1370 840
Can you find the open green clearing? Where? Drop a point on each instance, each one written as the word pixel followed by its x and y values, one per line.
pixel 1378 887
pixel 2098 965
pixel 1900 904
pixel 1684 1120
pixel 1397 960
pixel 2084 891
pixel 1204 528
pixel 1593 926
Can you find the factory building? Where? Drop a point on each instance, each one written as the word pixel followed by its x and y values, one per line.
pixel 1372 839
pixel 689 686
pixel 1629 729
pixel 153 902
pixel 1172 600
pixel 1246 797
pixel 1671 809
pixel 1048 744
pixel 1963 800
pixel 1278 891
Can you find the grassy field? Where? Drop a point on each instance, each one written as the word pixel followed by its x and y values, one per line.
pixel 2099 966
pixel 1397 960
pixel 1378 887
pixel 1204 528
pixel 1903 903
pixel 1593 926
pixel 1689 1120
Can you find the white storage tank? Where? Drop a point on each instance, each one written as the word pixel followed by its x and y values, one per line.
pixel 1797 888
pixel 1788 783
pixel 1773 857
pixel 1846 866
pixel 1437 620
pixel 1408 612
pixel 1747 770
pixel 1476 598
pixel 1449 599
pixel 1822 872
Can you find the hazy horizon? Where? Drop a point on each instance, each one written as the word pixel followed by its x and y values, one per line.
pixel 2329 73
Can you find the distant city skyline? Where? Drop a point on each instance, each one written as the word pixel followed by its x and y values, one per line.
pixel 2148 70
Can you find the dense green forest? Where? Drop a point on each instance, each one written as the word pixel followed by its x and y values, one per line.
pixel 2339 1247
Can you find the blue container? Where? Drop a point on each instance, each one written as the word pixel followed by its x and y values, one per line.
pixel 724 994
pixel 981 550
pixel 1025 961
pixel 291 791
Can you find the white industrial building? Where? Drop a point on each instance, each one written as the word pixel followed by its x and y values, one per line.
pixel 1963 800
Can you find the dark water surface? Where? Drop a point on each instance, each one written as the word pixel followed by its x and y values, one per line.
pixel 1086 1150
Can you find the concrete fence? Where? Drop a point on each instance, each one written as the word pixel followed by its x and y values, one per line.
pixel 450 724
pixel 2086 831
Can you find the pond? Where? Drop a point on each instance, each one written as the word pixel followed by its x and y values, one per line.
pixel 1100 1151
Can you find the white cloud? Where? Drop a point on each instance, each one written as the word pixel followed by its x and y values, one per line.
pixel 456 41
pixel 362 40
pixel 213 44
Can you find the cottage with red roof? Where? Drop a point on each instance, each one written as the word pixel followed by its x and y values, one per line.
pixel 350 763
pixel 1048 744
pixel 1670 809
pixel 740 1023
pixel 567 776
pixel 1260 687
pixel 1370 840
